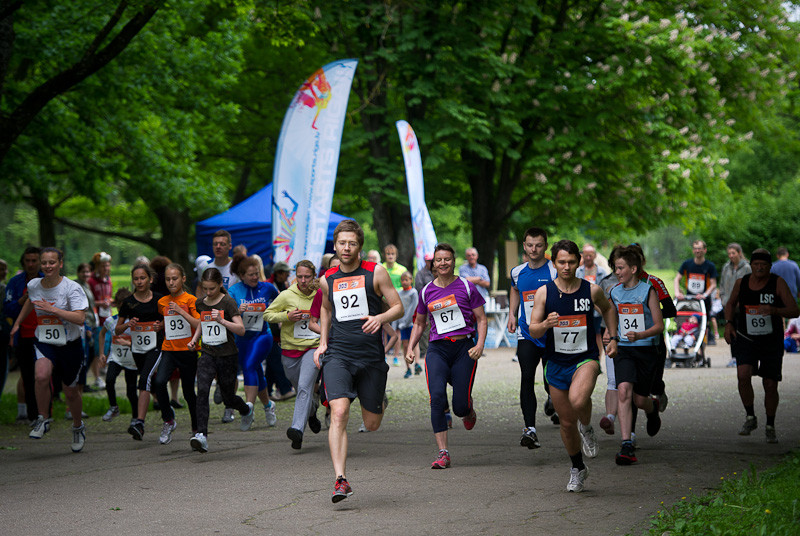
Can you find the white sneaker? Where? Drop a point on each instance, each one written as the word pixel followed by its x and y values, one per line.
pixel 99 383
pixel 166 432
pixel 247 420
pixel 40 427
pixel 269 412
pixel 112 412
pixel 363 427
pixel 663 400
pixel 78 437
pixel 577 478
pixel 199 443
pixel 228 415
pixel 588 441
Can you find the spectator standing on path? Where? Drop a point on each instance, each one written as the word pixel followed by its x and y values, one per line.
pixel 475 273
pixel 699 276
pixel 423 277
pixel 733 270
pixel 593 273
pixel 788 270
pixel 757 303
pixel 396 271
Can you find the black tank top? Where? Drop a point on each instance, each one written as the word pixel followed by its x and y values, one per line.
pixel 353 297
pixel 761 329
pixel 573 339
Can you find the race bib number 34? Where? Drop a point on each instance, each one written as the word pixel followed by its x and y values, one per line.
pixel 631 317
pixel 446 315
pixel 569 335
pixel 350 298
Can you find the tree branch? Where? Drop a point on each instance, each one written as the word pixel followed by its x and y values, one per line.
pixel 147 240
pixel 106 30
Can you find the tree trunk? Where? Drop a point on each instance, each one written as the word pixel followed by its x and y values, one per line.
pixel 46 214
pixel 175 231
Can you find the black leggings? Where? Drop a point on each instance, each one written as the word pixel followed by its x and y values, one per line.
pixel 225 369
pixel 529 355
pixel 186 361
pixel 130 386
pixel 448 362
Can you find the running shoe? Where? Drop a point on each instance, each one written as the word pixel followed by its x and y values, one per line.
pixel 554 419
pixel 137 430
pixel 78 437
pixel 588 442
pixel 247 420
pixel 112 412
pixel 663 400
pixel 269 413
pixel 469 420
pixel 166 432
pixel 227 416
pixel 607 425
pixel 731 363
pixel 770 432
pixel 217 395
pixel 449 418
pixel 417 370
pixel 653 420
pixel 199 443
pixel 395 362
pixel 750 424
pixel 99 384
pixel 291 393
pixel 341 490
pixel 442 461
pixel 633 439
pixel 408 374
pixel 626 454
pixel 529 438
pixel 40 427
pixel 577 478
pixel 296 436
pixel 549 409
pixel 175 404
pixel 363 428
pixel 313 423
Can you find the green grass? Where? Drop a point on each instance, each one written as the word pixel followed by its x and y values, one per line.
pixel 94 404
pixel 766 503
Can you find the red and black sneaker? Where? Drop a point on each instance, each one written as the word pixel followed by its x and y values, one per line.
pixel 442 461
pixel 341 490
pixel 469 420
pixel 626 454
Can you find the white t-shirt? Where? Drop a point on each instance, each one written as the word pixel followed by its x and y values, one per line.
pixel 67 295
pixel 228 279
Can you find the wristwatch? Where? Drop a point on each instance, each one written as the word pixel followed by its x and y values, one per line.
pixel 614 338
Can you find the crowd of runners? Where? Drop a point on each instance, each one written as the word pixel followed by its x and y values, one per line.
pixel 323 338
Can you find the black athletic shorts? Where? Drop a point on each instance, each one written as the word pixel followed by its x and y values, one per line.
pixel 766 362
pixel 351 378
pixel 636 365
pixel 67 360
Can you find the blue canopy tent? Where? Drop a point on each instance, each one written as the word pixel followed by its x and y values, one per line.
pixel 250 223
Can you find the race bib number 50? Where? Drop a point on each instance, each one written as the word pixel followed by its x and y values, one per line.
pixel 350 298
pixel 51 330
pixel 569 335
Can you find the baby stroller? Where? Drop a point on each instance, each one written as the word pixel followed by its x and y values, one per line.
pixel 682 355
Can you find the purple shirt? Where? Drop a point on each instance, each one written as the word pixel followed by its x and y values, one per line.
pixel 449 309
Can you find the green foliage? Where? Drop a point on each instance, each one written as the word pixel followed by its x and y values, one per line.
pixel 755 503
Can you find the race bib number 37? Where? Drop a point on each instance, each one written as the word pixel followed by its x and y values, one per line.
pixel 569 335
pixel 350 298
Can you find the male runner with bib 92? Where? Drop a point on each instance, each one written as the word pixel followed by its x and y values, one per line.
pixel 353 360
pixel 564 310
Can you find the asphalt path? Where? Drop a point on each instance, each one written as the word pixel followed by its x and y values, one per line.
pixel 254 483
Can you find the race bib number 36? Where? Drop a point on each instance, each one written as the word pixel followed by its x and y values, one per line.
pixel 214 333
pixel 569 335
pixel 176 327
pixel 143 337
pixel 446 315
pixel 631 318
pixel 757 324
pixel 350 298
pixel 253 317
pixel 51 330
